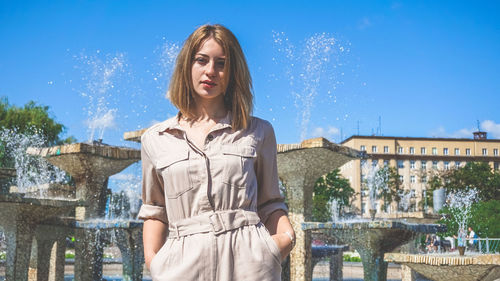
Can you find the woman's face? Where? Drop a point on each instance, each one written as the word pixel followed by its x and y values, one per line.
pixel 208 70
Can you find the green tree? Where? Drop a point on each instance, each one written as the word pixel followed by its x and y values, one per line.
pixel 485 213
pixel 484 219
pixel 387 185
pixel 30 119
pixel 435 181
pixel 474 175
pixel 327 188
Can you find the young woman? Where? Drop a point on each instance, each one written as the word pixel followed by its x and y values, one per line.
pixel 211 201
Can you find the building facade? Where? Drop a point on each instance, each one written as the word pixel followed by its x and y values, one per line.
pixel 416 160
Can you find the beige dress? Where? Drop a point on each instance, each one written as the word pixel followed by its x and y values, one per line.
pixel 214 200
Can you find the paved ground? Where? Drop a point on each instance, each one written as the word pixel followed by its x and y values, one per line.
pixel 352 272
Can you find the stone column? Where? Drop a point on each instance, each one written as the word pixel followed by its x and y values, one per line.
pixel 407 274
pixel 19 237
pixel 132 250
pixel 336 265
pixel 299 166
pixel 48 256
pixel 374 266
pixel 88 254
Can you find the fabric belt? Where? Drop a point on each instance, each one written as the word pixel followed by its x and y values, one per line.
pixel 216 222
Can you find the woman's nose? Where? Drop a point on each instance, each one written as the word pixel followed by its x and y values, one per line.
pixel 210 69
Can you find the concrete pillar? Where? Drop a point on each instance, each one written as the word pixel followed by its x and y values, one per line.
pixel 88 255
pixel 19 236
pixel 374 266
pixel 407 274
pixel 132 250
pixel 336 266
pixel 48 255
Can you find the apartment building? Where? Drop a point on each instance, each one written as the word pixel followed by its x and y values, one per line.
pixel 416 160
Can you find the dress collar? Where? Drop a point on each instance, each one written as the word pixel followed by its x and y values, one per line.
pixel 173 123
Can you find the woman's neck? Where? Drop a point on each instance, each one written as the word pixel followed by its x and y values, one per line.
pixel 211 109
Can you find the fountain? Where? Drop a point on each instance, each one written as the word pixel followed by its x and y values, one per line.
pixel 34 200
pixel 472 266
pixel 90 166
pixel 299 166
pixel 372 239
pixel 443 267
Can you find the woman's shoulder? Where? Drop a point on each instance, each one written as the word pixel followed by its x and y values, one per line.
pixel 257 123
pixel 157 128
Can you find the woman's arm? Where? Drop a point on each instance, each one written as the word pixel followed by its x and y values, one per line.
pixel 154 233
pixel 281 231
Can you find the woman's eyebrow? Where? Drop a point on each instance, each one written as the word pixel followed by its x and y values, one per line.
pixel 205 55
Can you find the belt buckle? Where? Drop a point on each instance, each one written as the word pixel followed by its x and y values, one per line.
pixel 217 223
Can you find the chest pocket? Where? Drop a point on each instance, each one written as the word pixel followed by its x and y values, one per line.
pixel 174 168
pixel 239 165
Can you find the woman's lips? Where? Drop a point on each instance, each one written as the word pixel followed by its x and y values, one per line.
pixel 208 84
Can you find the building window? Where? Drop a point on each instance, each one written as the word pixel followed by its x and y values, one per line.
pixel 413 194
pixel 374 163
pixel 401 164
pixel 412 179
pixel 457 151
pixel 386 163
pixel 496 165
pixel 467 151
pixel 445 151
pixel 400 150
pixel 424 179
pixel 401 179
pixel 412 164
pixel 485 151
pixel 362 148
pixel 423 151
pixel 435 165
pixel 374 149
pixel 446 165
pixel 495 151
pixel 434 151
pixel 412 150
pixel 423 165
pixel 386 149
pixel 458 164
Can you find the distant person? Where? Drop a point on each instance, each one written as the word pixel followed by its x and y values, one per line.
pixel 211 200
pixel 452 242
pixel 473 243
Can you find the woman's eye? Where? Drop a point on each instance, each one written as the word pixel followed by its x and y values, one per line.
pixel 200 60
pixel 221 63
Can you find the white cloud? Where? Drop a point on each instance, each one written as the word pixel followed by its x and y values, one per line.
pixel 438 132
pixel 492 128
pixel 462 133
pixel 330 133
pixel 364 23
pixel 489 126
pixel 441 132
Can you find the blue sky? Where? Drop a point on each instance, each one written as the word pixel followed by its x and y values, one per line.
pixel 426 68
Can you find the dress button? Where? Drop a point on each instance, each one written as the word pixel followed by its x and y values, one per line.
pixel 210 137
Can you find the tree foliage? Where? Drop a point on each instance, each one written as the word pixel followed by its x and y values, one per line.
pixel 485 213
pixel 327 188
pixel 30 119
pixel 387 185
pixel 474 175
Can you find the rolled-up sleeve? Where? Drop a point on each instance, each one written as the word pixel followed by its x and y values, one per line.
pixel 153 197
pixel 269 196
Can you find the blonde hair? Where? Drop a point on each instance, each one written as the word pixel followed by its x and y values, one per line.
pixel 238 97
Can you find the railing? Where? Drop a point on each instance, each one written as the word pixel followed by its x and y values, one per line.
pixel 484 245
